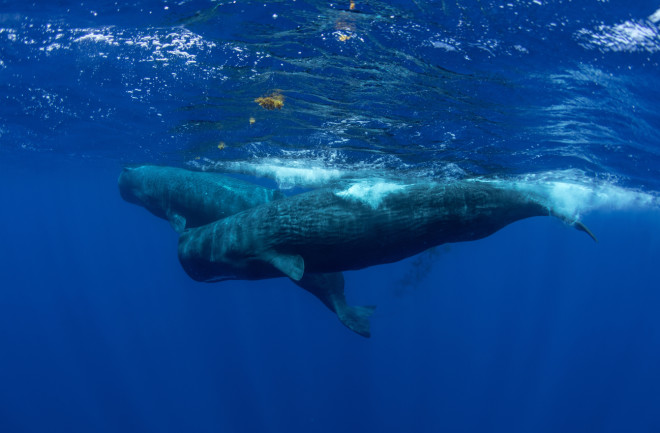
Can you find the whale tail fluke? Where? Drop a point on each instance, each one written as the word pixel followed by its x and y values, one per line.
pixel 329 289
pixel 356 318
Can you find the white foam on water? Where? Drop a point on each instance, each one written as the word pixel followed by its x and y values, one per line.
pixel 443 45
pixel 307 168
pixel 371 193
pixel 629 36
pixel 286 173
pixel 163 46
pixel 288 176
pixel 573 196
pixel 655 17
pixel 102 35
pixel 568 193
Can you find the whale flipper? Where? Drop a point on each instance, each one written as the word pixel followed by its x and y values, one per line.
pixel 329 288
pixel 575 223
pixel 291 265
pixel 578 225
pixel 178 222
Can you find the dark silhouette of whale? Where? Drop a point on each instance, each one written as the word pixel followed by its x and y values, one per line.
pixel 189 199
pixel 327 231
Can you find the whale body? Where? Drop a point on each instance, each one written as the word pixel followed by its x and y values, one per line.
pixel 331 231
pixel 189 199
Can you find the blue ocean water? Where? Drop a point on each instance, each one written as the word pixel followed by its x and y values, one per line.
pixel 534 329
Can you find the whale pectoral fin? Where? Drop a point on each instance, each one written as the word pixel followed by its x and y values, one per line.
pixel 178 222
pixel 291 265
pixel 578 225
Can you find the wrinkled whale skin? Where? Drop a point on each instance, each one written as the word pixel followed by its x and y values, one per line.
pixel 331 231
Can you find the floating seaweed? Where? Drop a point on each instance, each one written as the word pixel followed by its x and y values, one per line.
pixel 271 102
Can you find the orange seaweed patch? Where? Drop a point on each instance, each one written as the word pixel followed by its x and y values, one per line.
pixel 275 100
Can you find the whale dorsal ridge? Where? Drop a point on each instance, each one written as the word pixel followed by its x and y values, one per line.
pixel 291 265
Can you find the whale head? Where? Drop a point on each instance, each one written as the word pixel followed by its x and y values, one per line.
pixel 130 185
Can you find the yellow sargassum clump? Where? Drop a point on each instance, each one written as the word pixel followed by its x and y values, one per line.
pixel 271 102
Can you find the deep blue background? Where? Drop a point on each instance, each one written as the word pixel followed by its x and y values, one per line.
pixel 536 328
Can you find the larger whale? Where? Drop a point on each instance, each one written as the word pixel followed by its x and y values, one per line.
pixel 189 199
pixel 364 225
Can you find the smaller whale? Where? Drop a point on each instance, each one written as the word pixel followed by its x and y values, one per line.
pixel 189 199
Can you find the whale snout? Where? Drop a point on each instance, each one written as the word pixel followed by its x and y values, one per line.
pixel 128 186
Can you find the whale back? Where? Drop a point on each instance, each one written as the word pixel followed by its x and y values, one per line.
pixel 189 198
pixel 331 231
